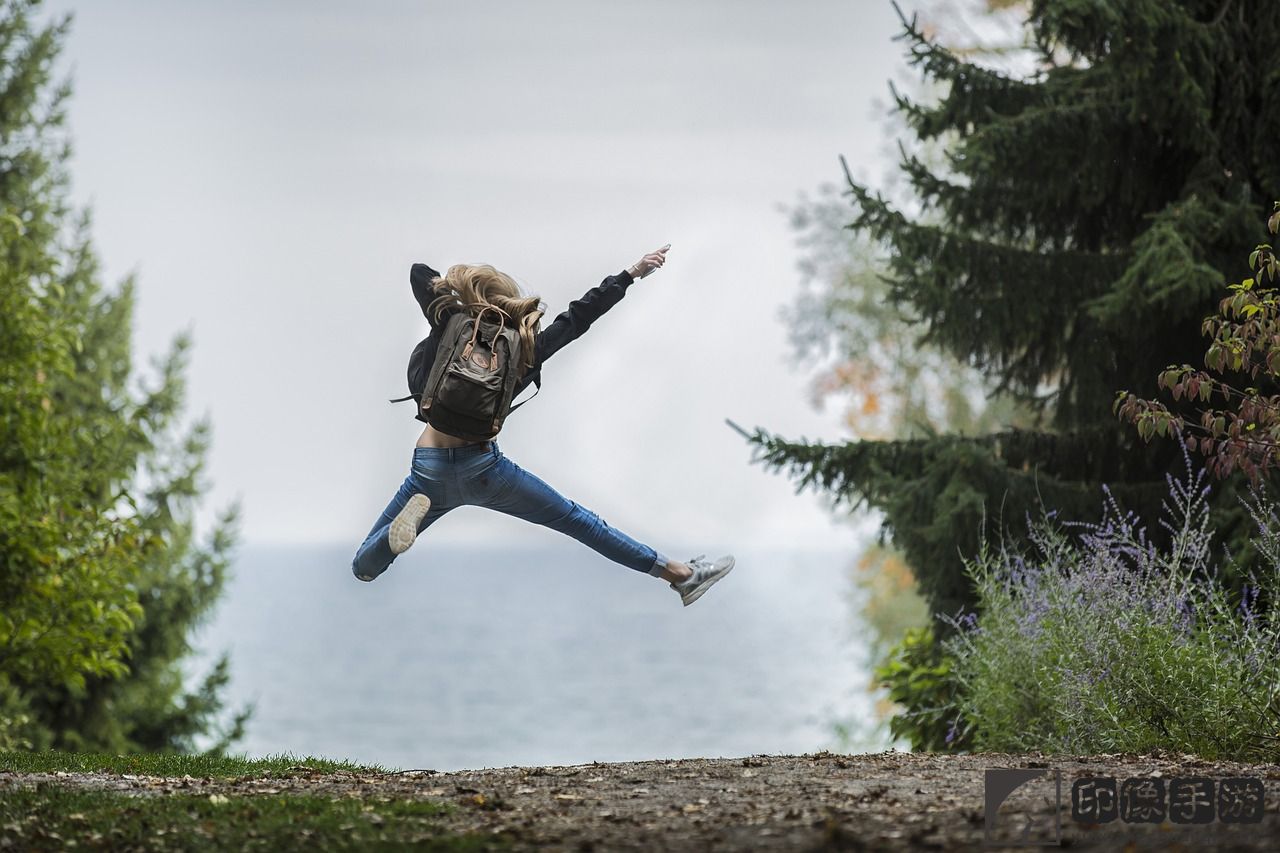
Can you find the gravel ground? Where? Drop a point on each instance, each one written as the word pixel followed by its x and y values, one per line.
pixel 822 801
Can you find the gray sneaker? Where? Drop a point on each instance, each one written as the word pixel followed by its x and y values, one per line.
pixel 704 575
pixel 404 527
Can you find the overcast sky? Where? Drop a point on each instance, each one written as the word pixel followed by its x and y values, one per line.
pixel 271 170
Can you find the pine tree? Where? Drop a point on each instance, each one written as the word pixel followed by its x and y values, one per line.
pixel 1083 227
pixel 102 578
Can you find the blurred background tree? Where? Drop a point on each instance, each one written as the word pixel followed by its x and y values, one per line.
pixel 864 349
pixel 103 577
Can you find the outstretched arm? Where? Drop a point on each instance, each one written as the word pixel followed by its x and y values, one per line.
pixel 420 278
pixel 581 313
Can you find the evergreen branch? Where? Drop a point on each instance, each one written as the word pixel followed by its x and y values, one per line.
pixel 941 63
pixel 935 492
pixel 1222 13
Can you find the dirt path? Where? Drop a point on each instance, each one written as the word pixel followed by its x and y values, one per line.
pixel 823 801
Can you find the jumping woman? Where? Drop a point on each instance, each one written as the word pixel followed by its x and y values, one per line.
pixel 451 470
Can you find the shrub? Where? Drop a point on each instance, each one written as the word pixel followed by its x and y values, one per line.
pixel 1092 639
pixel 919 677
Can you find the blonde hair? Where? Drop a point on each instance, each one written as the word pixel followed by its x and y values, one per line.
pixel 474 286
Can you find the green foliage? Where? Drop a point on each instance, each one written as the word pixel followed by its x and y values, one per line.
pixel 865 352
pixel 918 675
pixel 942 497
pixel 1245 433
pixel 861 345
pixel 15 718
pixel 1104 642
pixel 101 579
pixel 1070 244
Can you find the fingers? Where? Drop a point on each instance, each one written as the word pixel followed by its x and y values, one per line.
pixel 653 260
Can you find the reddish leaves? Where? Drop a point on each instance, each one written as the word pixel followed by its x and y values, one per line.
pixel 1244 433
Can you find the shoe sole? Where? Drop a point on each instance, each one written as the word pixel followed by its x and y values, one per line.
pixel 404 527
pixel 697 592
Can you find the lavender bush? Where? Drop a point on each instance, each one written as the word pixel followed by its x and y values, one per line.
pixel 1096 640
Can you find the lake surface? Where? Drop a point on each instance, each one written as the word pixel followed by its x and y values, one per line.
pixel 488 657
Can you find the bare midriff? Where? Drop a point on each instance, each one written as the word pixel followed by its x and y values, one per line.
pixel 432 437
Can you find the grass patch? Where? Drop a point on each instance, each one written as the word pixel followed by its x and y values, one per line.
pixel 197 766
pixel 50 817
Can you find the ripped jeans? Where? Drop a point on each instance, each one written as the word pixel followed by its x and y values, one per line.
pixel 479 475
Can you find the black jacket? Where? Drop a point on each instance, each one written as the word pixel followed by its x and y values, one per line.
pixel 567 326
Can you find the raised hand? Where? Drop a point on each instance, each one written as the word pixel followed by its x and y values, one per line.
pixel 649 262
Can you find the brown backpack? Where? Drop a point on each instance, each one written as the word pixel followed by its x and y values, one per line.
pixel 478 363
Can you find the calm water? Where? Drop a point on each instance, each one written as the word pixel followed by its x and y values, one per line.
pixel 548 657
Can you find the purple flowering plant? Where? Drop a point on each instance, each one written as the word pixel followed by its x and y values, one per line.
pixel 1093 638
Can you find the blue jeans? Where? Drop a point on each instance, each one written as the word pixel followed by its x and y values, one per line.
pixel 479 475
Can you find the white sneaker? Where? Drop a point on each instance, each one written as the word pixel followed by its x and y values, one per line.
pixel 404 527
pixel 704 575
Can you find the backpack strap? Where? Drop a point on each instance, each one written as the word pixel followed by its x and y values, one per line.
pixel 418 395
pixel 475 333
pixel 537 382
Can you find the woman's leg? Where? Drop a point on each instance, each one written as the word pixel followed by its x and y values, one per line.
pixel 375 554
pixel 525 496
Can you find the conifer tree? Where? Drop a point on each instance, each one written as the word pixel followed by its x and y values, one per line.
pixel 1081 230
pixel 101 577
